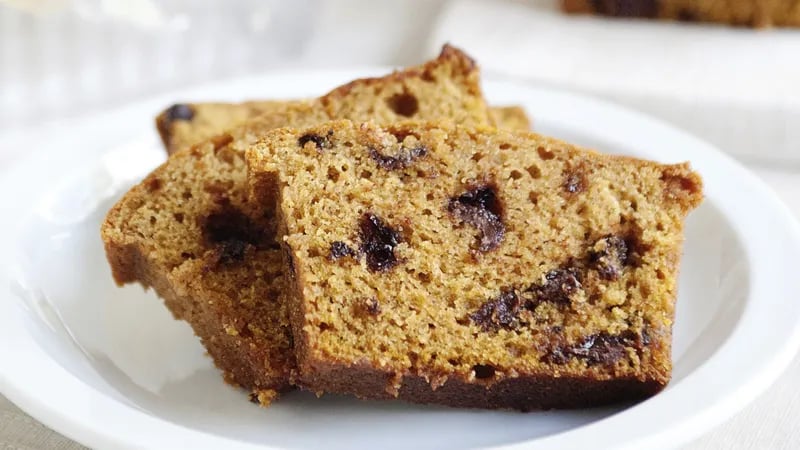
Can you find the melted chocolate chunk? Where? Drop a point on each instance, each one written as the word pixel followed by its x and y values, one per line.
pixel 627 8
pixel 231 251
pixel 372 307
pixel 481 208
pixel 230 224
pixel 556 356
pixel 601 348
pixel 321 142
pixel 575 183
pixel 645 337
pixel 339 250
pixel 399 161
pixel 483 371
pixel 498 312
pixel 558 287
pixel 378 241
pixel 230 232
pixel 609 256
pixel 179 111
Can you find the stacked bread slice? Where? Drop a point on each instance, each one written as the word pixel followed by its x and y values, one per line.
pixel 397 237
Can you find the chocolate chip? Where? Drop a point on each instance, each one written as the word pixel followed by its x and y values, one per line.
pixel 378 241
pixel 601 348
pixel 627 8
pixel 321 142
pixel 372 307
pixel 483 371
pixel 481 208
pixel 575 182
pixel 254 398
pixel 230 224
pixel 608 256
pixel 402 159
pixel 558 287
pixel 339 250
pixel 498 312
pixel 404 104
pixel 556 356
pixel 230 232
pixel 231 251
pixel 179 111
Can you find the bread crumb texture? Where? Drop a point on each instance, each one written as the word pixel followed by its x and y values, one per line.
pixel 507 268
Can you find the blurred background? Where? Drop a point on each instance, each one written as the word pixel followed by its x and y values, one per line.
pixel 737 87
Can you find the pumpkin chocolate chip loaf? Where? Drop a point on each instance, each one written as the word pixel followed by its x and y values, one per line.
pixel 749 13
pixel 475 267
pixel 189 232
pixel 186 124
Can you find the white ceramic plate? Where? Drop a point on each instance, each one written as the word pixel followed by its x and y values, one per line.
pixel 110 368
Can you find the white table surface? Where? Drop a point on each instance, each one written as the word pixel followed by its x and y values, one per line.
pixel 53 67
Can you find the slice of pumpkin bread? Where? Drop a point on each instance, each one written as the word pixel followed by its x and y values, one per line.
pixel 186 124
pixel 474 267
pixel 189 232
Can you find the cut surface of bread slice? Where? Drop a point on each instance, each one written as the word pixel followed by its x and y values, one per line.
pixel 475 267
pixel 189 232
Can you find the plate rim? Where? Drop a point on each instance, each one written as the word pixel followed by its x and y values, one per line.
pixel 75 420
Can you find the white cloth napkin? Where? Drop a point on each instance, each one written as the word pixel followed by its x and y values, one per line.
pixel 738 88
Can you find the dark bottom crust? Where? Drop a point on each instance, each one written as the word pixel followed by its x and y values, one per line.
pixel 525 393
pixel 240 364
